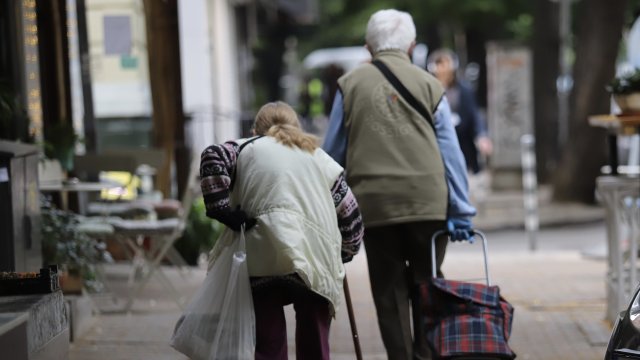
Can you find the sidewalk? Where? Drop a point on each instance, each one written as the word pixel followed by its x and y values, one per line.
pixel 558 294
pixel 504 210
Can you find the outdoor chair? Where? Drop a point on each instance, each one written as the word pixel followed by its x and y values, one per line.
pixel 133 161
pixel 101 230
pixel 162 235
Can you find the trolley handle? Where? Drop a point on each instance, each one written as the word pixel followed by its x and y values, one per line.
pixel 474 233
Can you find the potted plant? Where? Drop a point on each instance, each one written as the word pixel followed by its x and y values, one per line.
pixel 75 252
pixel 626 91
pixel 61 143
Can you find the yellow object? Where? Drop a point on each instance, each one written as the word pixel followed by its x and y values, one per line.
pixel 316 107
pixel 129 182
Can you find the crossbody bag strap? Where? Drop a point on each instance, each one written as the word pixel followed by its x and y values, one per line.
pixel 233 177
pixel 404 92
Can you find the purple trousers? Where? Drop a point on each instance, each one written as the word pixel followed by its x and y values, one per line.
pixel 312 323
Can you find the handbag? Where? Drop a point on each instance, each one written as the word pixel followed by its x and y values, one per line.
pixel 465 320
pixel 219 322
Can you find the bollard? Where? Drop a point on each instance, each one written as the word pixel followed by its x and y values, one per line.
pixel 530 189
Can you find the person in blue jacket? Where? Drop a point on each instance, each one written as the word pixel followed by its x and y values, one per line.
pixel 406 171
pixel 469 123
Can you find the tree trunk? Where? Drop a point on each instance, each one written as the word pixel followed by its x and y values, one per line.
pixel 89 116
pixel 477 53
pixel 163 45
pixel 546 50
pixel 598 37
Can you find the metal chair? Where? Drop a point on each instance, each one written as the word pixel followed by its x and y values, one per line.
pixel 162 235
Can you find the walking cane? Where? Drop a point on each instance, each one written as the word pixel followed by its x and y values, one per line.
pixel 352 319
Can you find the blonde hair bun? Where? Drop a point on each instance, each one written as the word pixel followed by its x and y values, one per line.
pixel 279 120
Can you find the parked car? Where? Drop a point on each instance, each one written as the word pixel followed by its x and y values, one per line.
pixel 625 339
pixel 347 58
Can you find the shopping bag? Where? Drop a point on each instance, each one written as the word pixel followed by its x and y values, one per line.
pixel 463 320
pixel 219 323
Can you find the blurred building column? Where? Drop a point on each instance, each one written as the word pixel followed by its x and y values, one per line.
pixel 54 63
pixel 197 80
pixel 163 41
pixel 224 64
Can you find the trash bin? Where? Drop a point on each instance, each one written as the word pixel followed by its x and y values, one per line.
pixel 20 243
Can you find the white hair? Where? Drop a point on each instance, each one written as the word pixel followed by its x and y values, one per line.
pixel 390 29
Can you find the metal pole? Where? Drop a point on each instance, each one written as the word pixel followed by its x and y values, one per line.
pixel 530 189
pixel 564 82
pixel 352 319
pixel 629 215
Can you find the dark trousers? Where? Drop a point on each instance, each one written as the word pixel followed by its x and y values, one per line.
pixel 312 323
pixel 399 257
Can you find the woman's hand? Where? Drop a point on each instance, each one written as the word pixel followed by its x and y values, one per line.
pixel 234 219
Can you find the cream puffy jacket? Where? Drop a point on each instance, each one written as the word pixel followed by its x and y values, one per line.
pixel 288 191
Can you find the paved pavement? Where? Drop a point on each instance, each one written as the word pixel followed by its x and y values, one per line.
pixel 558 294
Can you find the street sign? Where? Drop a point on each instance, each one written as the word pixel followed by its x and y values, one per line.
pixel 128 62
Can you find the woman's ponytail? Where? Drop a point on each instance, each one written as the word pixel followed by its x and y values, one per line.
pixel 280 121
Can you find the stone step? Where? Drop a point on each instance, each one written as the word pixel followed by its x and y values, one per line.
pixel 46 334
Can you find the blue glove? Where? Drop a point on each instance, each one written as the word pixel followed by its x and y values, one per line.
pixel 460 229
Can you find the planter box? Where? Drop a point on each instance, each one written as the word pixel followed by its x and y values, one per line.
pixel 71 283
pixel 628 103
pixel 45 282
pixel 34 327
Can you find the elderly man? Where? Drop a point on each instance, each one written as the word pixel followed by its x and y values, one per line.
pixel 404 164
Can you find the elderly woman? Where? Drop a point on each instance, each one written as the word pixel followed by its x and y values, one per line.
pixel 302 222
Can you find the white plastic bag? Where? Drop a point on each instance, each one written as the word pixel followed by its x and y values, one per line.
pixel 219 323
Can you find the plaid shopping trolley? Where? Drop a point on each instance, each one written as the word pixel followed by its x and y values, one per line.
pixel 465 320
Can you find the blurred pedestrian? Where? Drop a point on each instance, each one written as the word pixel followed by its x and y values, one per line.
pixel 330 76
pixel 302 223
pixel 469 123
pixel 407 172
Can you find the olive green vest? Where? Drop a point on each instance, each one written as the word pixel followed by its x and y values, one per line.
pixel 393 160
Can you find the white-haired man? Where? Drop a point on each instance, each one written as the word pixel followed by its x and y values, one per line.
pixel 406 169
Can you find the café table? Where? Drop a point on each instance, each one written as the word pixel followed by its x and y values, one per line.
pixel 615 188
pixel 64 187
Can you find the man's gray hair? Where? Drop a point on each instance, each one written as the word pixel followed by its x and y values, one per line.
pixel 390 29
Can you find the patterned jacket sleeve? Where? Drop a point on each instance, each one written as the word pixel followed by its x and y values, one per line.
pixel 349 218
pixel 217 165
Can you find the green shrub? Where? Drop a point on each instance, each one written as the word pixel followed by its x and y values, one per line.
pixel 200 233
pixel 626 83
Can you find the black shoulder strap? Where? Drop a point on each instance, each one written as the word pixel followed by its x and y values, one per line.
pixel 404 92
pixel 233 177
pixel 248 142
